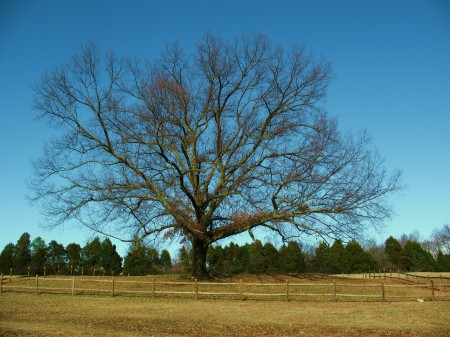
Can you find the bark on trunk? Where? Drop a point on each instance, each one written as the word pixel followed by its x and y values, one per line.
pixel 199 248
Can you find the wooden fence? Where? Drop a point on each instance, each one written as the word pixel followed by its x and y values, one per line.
pixel 409 277
pixel 319 291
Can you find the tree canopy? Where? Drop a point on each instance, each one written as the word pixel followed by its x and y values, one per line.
pixel 204 146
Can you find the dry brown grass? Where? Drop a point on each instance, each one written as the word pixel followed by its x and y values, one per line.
pixel 302 287
pixel 24 314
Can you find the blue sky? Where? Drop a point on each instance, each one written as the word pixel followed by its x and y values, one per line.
pixel 391 62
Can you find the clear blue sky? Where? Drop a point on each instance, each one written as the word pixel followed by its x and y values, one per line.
pixel 391 62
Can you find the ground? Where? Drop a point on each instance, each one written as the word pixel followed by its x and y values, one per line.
pixel 27 314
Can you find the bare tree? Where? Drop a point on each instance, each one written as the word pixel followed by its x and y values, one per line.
pixel 204 146
pixel 441 240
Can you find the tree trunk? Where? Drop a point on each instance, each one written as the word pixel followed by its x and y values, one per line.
pixel 199 250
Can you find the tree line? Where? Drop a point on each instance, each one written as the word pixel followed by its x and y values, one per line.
pixel 96 257
pixel 100 257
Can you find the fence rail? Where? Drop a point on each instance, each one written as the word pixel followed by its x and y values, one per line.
pixel 327 291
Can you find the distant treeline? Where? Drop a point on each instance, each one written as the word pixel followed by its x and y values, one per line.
pixel 95 258
pixel 100 257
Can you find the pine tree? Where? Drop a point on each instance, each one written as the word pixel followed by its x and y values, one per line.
pixel 292 258
pixel 258 264
pixel 56 256
pixel 7 258
pixel 22 254
pixel 214 260
pixel 74 255
pixel 111 261
pixel 337 258
pixel 417 258
pixel 36 244
pixel 394 253
pixel 272 259
pixel 165 261
pixel 358 260
pixel 39 253
pixel 443 262
pixel 136 261
pixel 91 255
pixel 38 261
pixel 321 258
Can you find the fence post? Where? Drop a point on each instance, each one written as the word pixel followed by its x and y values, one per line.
pixel 432 290
pixel 10 275
pixel 94 272
pixel 382 292
pixel 45 270
pixel 384 272
pixel 73 285
pixel 287 290
pixel 37 284
pixel 196 289
pixel 82 271
pixel 153 288
pixel 335 290
pixel 29 271
pixel 1 283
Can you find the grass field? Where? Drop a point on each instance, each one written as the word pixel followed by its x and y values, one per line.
pixel 49 314
pixel 25 314
pixel 292 287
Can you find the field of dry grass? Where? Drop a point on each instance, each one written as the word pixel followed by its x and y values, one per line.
pixel 25 314
pixel 299 287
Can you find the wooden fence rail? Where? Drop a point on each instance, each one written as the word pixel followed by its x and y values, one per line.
pixel 289 290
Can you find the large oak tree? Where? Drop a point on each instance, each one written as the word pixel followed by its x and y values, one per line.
pixel 204 146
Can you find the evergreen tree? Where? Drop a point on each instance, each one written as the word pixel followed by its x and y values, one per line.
pixel 443 262
pixel 165 261
pixel 136 261
pixel 214 259
pixel 230 255
pixel 73 255
pixel 38 261
pixel 110 260
pixel 321 258
pixel 272 258
pixel 22 254
pixel 91 255
pixel 7 258
pixel 394 253
pixel 417 258
pixel 56 256
pixel 258 264
pixel 36 244
pixel 358 260
pixel 292 258
pixel 243 259
pixel 337 262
